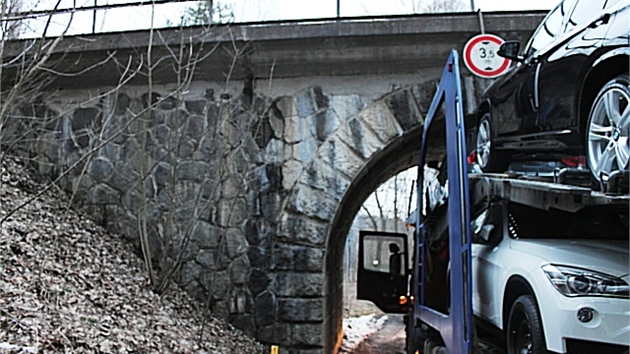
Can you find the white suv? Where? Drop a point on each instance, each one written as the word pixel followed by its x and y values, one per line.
pixel 552 280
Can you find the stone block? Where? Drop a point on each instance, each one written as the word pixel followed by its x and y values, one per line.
pixel 380 120
pixel 189 271
pixel 301 310
pixel 404 108
pixel 346 106
pixel 424 92
pixel 305 150
pixel 265 308
pixel 277 334
pixel 186 149
pixel 286 106
pixel 313 202
pixel 307 335
pixel 232 212
pixel 207 260
pixel 244 322
pixel 297 129
pixel 299 258
pixel 216 283
pixel 301 229
pixel 356 134
pixel 324 124
pixel 240 301
pixel 232 186
pixel 322 176
pixel 310 101
pixel 100 169
pixel 275 151
pixel 291 172
pixel 239 270
pixel 196 107
pixel 271 205
pixel 258 281
pixel 294 284
pixel 103 194
pixel 195 127
pixel 256 232
pixel 340 156
pixel 192 171
pixel 263 132
pixel 205 235
pixel 236 243
pixel 85 118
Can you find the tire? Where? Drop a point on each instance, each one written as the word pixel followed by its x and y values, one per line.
pixel 415 336
pixel 524 334
pixel 608 129
pixel 488 157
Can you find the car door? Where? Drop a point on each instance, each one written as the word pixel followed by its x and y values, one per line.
pixel 536 54
pixel 382 275
pixel 563 67
pixel 515 100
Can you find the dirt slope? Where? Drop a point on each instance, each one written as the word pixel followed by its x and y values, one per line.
pixel 67 286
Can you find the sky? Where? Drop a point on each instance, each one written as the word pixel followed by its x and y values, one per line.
pixel 139 17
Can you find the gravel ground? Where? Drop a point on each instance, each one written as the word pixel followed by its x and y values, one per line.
pixel 68 286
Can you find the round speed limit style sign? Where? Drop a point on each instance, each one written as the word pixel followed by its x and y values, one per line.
pixel 481 58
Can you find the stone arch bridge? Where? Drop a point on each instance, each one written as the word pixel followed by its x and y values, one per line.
pixel 243 150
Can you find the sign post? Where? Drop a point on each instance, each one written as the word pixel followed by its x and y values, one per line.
pixel 481 58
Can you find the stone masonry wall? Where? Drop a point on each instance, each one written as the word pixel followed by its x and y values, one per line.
pixel 236 188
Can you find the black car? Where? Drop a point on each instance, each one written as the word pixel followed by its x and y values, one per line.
pixel 567 94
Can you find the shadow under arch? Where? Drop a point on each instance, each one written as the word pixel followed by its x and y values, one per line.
pixel 400 154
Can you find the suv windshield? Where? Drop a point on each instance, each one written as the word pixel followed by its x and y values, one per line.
pixel 593 222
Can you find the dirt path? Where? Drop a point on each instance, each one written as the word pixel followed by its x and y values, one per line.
pixel 389 340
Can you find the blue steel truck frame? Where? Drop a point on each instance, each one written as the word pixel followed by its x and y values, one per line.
pixel 433 286
pixel 454 324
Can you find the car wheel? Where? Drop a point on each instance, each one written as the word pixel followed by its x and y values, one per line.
pixel 488 157
pixel 607 148
pixel 524 329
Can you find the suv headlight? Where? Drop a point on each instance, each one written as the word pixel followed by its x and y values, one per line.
pixel 581 282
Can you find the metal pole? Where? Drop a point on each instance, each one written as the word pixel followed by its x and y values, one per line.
pixel 338 8
pixel 94 18
pixel 481 24
pixel 472 5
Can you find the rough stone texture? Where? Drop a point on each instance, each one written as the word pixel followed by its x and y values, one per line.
pixel 249 184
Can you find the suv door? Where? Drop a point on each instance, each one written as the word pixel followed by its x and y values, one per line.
pixel 383 270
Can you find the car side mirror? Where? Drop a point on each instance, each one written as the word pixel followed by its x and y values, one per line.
pixel 510 50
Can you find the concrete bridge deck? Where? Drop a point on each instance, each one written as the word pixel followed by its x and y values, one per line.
pixel 290 49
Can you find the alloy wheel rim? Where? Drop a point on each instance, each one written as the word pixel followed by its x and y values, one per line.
pixel 483 143
pixel 609 133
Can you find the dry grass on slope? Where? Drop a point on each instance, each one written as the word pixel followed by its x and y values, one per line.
pixel 67 286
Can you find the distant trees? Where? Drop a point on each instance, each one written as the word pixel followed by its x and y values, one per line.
pixel 435 6
pixel 206 13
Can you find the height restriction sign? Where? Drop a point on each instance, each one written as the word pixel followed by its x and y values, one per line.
pixel 481 58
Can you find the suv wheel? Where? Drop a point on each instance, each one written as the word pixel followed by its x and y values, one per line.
pixel 607 148
pixel 524 330
pixel 489 158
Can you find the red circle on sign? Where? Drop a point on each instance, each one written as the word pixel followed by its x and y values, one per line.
pixel 468 60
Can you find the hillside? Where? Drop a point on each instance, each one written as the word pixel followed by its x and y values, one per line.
pixel 67 286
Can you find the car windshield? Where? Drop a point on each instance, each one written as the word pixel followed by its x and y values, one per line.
pixel 593 222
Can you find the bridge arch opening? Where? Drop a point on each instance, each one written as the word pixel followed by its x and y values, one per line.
pixel 400 154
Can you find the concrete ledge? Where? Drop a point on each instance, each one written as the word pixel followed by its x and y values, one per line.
pixel 287 49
